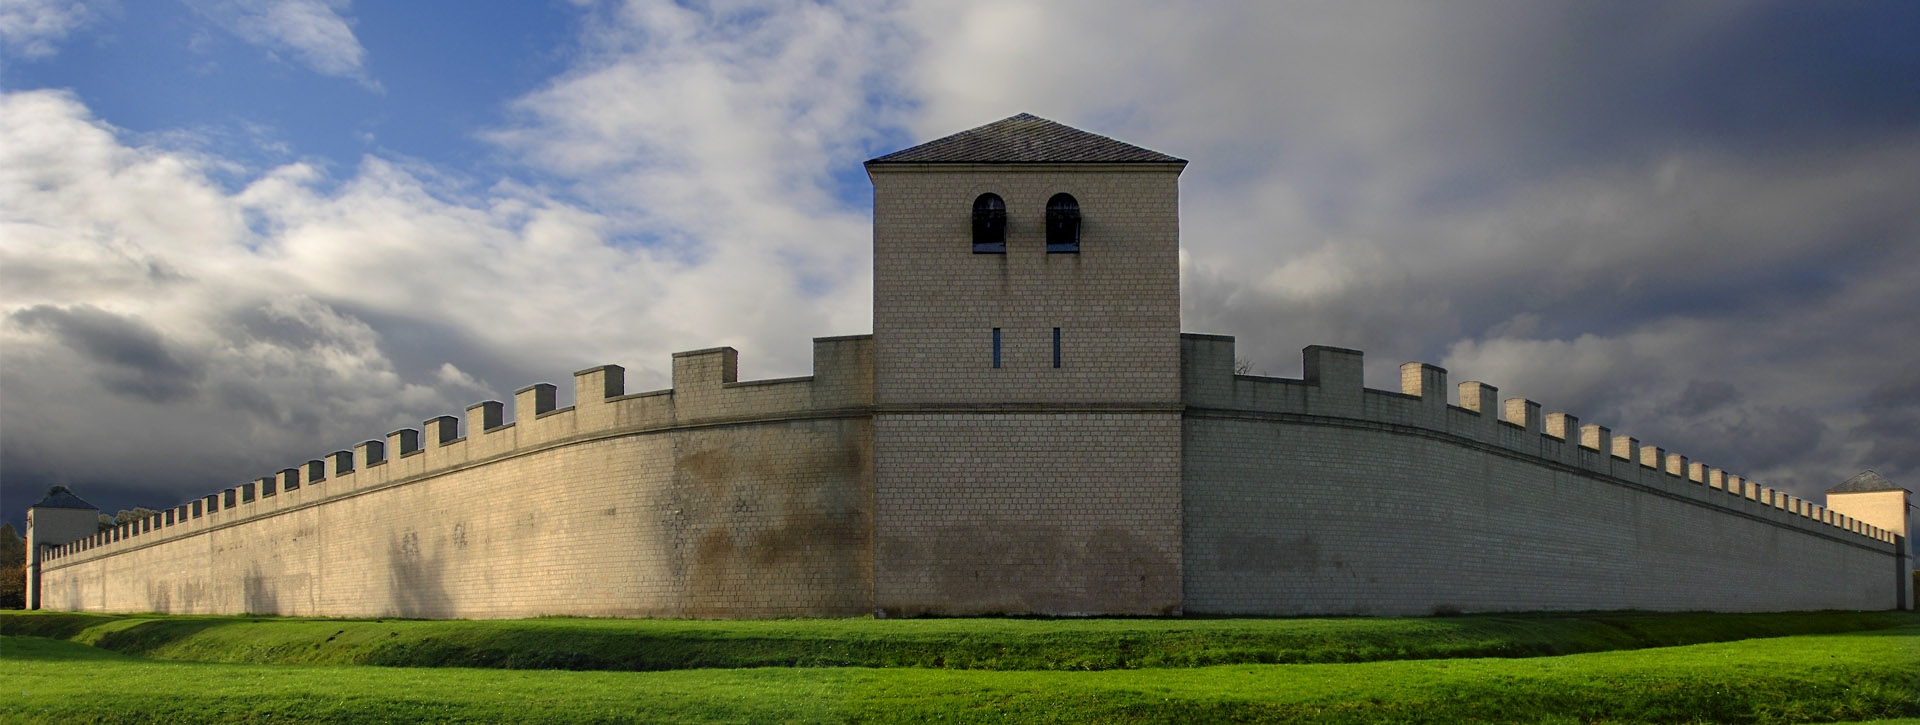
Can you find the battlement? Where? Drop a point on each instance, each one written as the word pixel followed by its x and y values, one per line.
pixel 1332 391
pixel 706 392
pixel 1022 434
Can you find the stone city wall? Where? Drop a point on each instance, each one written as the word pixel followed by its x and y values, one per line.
pixel 1319 496
pixel 715 498
pixel 726 499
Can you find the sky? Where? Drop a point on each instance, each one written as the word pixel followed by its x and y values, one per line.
pixel 236 235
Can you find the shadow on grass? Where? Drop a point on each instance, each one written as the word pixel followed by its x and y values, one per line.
pixel 14 648
pixel 153 634
pixel 983 644
pixel 56 625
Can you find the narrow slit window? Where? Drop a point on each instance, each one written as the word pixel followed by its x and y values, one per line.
pixel 989 225
pixel 996 347
pixel 1056 347
pixel 1063 223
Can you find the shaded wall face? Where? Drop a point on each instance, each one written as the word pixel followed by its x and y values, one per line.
pixel 53 527
pixel 56 526
pixel 742 521
pixel 1116 301
pixel 1027 513
pixel 1316 519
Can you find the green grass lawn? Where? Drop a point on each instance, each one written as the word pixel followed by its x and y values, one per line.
pixel 1799 678
pixel 992 644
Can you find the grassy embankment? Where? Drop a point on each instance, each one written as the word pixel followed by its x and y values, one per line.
pixel 988 644
pixel 1799 678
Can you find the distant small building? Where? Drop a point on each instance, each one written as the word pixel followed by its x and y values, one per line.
pixel 1875 500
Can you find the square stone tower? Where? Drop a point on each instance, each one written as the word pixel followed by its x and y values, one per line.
pixel 1026 320
pixel 1876 501
pixel 60 518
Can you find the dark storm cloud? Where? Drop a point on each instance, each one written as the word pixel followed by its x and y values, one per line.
pixel 1893 424
pixel 1687 221
pixel 1583 82
pixel 1705 396
pixel 1743 438
pixel 133 356
pixel 417 347
pixel 294 333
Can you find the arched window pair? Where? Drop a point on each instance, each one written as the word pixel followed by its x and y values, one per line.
pixel 990 224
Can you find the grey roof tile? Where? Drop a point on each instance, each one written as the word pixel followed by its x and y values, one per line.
pixel 63 499
pixel 1025 139
pixel 1864 482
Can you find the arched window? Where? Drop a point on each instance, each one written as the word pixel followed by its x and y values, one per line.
pixel 1063 224
pixel 989 225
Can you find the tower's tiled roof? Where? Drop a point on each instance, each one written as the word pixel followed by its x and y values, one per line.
pixel 1866 481
pixel 1025 139
pixel 63 499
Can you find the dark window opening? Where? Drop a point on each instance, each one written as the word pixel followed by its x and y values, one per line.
pixel 989 225
pixel 996 347
pixel 1063 224
pixel 1056 347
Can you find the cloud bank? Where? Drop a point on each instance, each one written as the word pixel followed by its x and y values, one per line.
pixel 1688 222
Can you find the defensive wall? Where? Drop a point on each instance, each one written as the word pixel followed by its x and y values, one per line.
pixel 720 498
pixel 1026 432
pixel 1320 496
pixel 715 498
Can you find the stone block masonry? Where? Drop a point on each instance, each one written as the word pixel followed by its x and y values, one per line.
pixel 1082 517
pixel 721 498
pixel 1027 402
pixel 1320 496
pixel 713 499
pixel 1116 301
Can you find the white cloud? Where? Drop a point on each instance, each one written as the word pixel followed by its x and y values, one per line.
pixel 33 28
pixel 1520 201
pixel 122 258
pixel 299 314
pixel 712 134
pixel 313 32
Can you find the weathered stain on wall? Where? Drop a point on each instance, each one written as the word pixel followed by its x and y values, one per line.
pixel 1323 497
pixel 1286 497
pixel 1048 482
pixel 716 499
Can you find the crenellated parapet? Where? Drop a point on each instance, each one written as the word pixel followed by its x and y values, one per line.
pixel 705 392
pixel 1331 391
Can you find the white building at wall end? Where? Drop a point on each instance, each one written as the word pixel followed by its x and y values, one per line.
pixel 59 518
pixel 1871 498
pixel 1026 431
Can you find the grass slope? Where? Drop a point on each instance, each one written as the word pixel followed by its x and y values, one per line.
pixel 987 644
pixel 1807 678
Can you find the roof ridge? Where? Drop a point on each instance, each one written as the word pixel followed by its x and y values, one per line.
pixel 1865 481
pixel 61 498
pixel 1024 138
